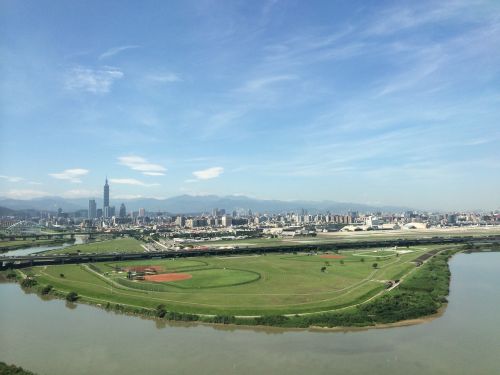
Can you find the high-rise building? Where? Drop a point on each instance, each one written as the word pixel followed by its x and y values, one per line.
pixel 142 212
pixel 92 209
pixel 106 200
pixel 123 211
pixel 227 221
pixel 180 221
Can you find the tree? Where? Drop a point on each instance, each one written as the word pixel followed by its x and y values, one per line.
pixel 61 275
pixel 323 269
pixel 362 260
pixel 28 282
pixel 72 296
pixel 46 289
pixel 342 261
pixel 161 311
pixel 375 265
pixel 327 263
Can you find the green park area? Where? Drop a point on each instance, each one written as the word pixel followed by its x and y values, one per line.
pixel 240 287
pixel 119 245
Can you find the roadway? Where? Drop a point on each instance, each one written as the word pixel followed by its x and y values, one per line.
pixel 41 260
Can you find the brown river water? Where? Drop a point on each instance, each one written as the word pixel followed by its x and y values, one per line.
pixel 50 337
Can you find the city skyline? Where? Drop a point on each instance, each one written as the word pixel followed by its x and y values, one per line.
pixel 369 102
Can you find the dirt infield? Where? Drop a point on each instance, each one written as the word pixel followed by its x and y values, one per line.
pixel 162 277
pixel 328 256
pixel 144 268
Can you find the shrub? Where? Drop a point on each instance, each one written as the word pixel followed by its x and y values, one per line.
pixel 72 296
pixel 160 311
pixel 46 289
pixel 224 319
pixel 28 282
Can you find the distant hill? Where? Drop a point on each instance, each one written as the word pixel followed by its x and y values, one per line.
pixel 18 213
pixel 4 211
pixel 197 204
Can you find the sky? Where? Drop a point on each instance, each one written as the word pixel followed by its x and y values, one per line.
pixel 378 102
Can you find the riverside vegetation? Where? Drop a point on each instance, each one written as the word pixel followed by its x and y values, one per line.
pixel 6 369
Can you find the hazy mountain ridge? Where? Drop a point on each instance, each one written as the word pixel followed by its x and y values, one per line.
pixel 197 204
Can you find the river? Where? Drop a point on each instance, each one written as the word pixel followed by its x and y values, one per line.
pixel 49 337
pixel 41 249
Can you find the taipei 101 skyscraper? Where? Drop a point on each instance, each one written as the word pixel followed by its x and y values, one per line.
pixel 105 210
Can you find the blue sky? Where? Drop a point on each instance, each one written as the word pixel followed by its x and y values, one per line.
pixel 380 102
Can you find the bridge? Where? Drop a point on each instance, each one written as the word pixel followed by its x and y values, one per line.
pixel 42 260
pixel 40 236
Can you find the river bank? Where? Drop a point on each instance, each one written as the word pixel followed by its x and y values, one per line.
pixel 417 297
pixel 12 245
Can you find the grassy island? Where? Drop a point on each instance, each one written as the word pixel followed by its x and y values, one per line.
pixel 358 287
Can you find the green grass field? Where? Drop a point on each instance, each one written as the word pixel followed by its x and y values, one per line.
pixel 240 285
pixel 119 245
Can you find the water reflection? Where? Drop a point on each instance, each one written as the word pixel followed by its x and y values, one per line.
pixel 79 239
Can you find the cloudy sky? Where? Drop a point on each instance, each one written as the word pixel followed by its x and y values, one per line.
pixel 380 102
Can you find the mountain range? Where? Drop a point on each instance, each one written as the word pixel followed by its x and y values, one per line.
pixel 189 204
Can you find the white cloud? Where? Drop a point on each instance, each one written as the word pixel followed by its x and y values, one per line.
pixel 261 83
pixel 115 50
pixel 19 179
pixel 72 175
pixel 209 173
pixel 92 80
pixel 12 178
pixel 164 78
pixel 130 181
pixel 138 163
pixel 80 193
pixel 24 194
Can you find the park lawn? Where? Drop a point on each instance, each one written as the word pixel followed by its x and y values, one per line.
pixel 118 245
pixel 168 265
pixel 240 285
pixel 217 277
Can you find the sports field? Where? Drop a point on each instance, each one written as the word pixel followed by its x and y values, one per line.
pixel 252 285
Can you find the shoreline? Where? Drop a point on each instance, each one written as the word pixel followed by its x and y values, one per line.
pixel 233 326
pixel 238 322
pixel 35 244
pixel 398 324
